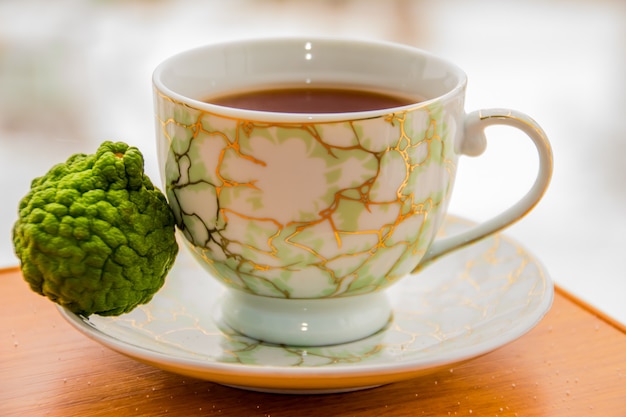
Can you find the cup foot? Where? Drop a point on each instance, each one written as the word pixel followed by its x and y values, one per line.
pixel 306 322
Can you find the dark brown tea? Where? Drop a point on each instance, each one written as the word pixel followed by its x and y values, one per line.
pixel 312 100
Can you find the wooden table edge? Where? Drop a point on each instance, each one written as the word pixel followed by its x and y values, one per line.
pixel 590 308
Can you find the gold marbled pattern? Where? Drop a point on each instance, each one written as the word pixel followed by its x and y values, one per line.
pixel 463 305
pixel 308 210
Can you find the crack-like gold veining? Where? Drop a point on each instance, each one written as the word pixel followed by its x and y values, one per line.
pixel 181 126
pixel 498 285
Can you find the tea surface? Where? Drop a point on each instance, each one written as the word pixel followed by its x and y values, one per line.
pixel 312 100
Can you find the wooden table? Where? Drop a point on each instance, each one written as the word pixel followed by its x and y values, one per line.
pixel 572 364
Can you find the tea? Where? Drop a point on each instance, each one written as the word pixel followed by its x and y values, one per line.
pixel 312 100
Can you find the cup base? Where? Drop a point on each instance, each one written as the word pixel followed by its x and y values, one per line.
pixel 306 322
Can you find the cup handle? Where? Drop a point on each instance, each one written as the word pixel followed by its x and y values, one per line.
pixel 474 143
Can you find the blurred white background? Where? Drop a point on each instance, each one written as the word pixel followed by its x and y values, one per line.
pixel 74 73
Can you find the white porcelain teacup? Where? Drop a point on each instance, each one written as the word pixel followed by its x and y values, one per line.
pixel 307 217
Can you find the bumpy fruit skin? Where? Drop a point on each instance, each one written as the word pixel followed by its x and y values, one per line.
pixel 94 235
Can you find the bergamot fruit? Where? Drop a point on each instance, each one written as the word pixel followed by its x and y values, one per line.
pixel 94 235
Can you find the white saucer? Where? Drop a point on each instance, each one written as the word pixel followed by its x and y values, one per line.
pixel 466 304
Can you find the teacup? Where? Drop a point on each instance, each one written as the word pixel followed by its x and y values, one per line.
pixel 306 216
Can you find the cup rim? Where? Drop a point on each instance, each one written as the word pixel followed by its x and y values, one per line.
pixel 286 117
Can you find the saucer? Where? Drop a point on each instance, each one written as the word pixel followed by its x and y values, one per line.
pixel 468 303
